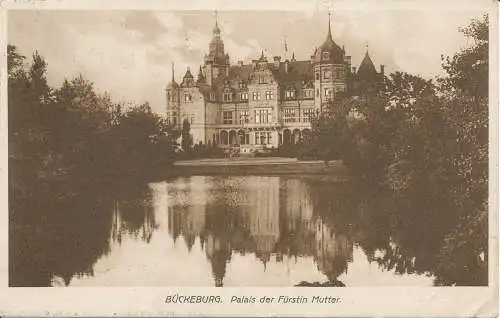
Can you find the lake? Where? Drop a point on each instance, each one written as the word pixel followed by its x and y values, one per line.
pixel 225 231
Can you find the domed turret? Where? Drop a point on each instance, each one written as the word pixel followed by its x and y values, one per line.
pixel 329 51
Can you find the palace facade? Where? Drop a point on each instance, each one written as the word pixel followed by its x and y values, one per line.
pixel 264 104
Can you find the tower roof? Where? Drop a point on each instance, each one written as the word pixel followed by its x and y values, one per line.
pixel 188 74
pixel 262 57
pixel 188 79
pixel 334 53
pixel 201 77
pixel 216 30
pixel 366 68
pixel 173 83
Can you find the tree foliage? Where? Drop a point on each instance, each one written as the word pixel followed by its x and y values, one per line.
pixel 428 142
pixel 73 134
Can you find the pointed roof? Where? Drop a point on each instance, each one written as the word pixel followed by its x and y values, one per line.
pixel 216 29
pixel 173 83
pixel 366 68
pixel 201 77
pixel 336 54
pixel 188 74
pixel 262 57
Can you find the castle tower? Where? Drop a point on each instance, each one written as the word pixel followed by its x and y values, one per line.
pixel 330 67
pixel 172 95
pixel 216 61
pixel 367 77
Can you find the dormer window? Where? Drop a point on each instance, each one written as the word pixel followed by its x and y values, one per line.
pixel 227 97
pixel 289 93
pixel 244 96
pixel 187 97
pixel 326 55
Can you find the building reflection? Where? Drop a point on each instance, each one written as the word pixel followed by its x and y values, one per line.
pixel 269 217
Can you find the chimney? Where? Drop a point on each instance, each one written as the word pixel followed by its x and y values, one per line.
pixel 354 69
pixel 240 63
pixel 382 68
pixel 286 66
pixel 277 60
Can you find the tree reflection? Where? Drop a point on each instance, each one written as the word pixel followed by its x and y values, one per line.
pixel 73 233
pixel 71 236
pixel 134 214
pixel 270 217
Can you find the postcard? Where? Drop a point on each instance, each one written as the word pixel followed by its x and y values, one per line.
pixel 286 158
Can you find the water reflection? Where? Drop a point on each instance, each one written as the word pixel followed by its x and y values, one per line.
pixel 227 231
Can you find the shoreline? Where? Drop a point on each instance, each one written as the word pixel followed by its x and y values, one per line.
pixel 259 166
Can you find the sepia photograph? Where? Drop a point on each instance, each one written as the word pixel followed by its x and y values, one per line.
pixel 234 148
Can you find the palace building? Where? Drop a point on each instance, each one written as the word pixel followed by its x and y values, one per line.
pixel 267 103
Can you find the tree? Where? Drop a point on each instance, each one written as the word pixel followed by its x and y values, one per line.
pixel 464 252
pixel 186 136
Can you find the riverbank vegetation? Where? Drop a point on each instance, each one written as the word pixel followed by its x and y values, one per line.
pixel 65 142
pixel 426 141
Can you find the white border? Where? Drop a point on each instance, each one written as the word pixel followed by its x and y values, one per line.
pixel 358 301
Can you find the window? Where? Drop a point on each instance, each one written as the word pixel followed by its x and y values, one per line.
pixel 174 118
pixel 244 117
pixel 269 95
pixel 289 93
pixel 289 115
pixel 242 85
pixel 263 116
pixel 341 73
pixel 263 138
pixel 256 96
pixel 326 55
pixel 317 92
pixel 326 74
pixel 244 96
pixel 187 97
pixel 212 96
pixel 227 118
pixel 317 76
pixel 244 138
pixel 308 93
pixel 227 97
pixel 308 114
pixel 262 80
pixel 328 92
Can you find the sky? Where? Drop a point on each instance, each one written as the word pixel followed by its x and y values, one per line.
pixel 129 53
